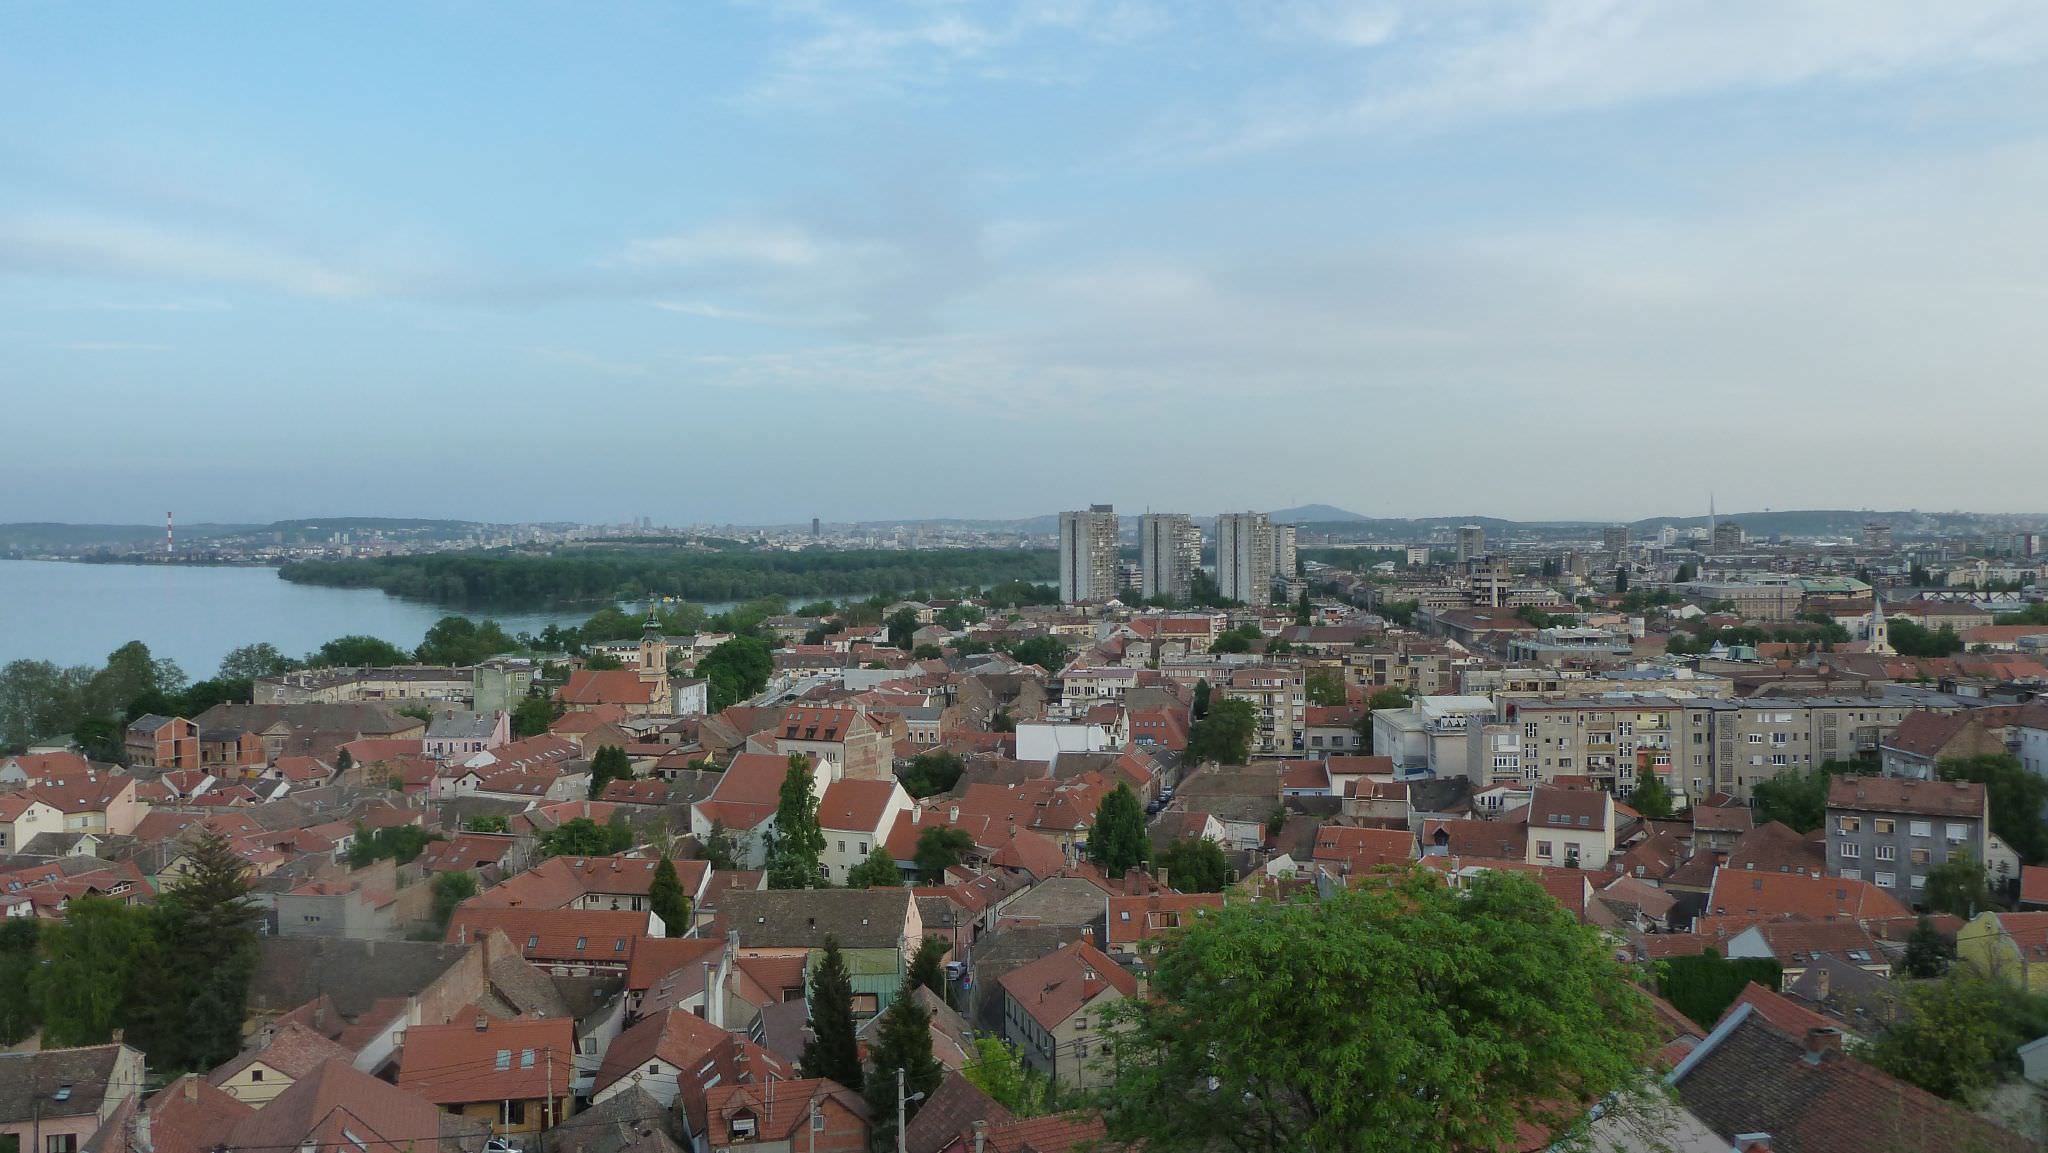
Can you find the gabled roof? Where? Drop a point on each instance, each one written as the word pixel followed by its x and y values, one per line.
pixel 803 918
pixel 89 1070
pixel 1771 895
pixel 336 1106
pixel 294 1051
pixel 607 687
pixel 1773 847
pixel 518 1060
pixel 777 1107
pixel 1135 919
pixel 556 936
pixel 852 805
pixel 190 1115
pixel 1925 734
pixel 1058 985
pixel 1354 850
pixel 677 1036
pixel 1913 798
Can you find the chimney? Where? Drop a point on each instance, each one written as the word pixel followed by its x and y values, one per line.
pixel 117 1035
pixel 980 1135
pixel 1088 933
pixel 1163 879
pixel 1819 1043
pixel 483 1023
pixel 191 1085
pixel 1820 980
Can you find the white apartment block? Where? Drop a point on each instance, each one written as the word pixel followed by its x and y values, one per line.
pixel 1244 557
pixel 1088 549
pixel 1169 554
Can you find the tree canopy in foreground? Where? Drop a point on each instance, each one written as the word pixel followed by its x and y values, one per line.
pixel 1398 1015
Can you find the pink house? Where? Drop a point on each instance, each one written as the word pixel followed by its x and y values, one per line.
pixel 70 1093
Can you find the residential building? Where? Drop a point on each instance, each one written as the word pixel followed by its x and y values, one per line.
pixel 1244 557
pixel 337 1107
pixel 1892 832
pixel 1169 554
pixel 809 1116
pixel 1614 540
pixel 154 742
pixel 1088 555
pixel 877 930
pixel 1276 695
pixel 1921 741
pixel 1570 827
pixel 846 739
pixel 1428 736
pixel 1052 1011
pixel 54 1100
pixel 260 1074
pixel 856 816
pixel 1286 561
pixel 512 1075
pixel 2010 946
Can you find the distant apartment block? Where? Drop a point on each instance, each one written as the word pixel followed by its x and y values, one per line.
pixel 1088 555
pixel 1244 557
pixel 1891 832
pixel 1285 560
pixel 1471 542
pixel 1169 554
pixel 1614 539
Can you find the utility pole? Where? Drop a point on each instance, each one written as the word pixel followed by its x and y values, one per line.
pixel 547 1110
pixel 899 1110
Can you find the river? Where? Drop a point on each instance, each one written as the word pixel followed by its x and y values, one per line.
pixel 76 614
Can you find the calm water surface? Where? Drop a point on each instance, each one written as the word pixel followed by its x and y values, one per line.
pixel 78 613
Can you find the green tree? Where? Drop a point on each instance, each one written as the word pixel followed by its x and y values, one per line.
pixel 1237 640
pixel 927 653
pixel 997 1070
pixel 610 764
pixel 356 651
pixel 1948 1037
pixel 2017 799
pixel 928 966
pixel 1301 610
pixel 902 1041
pixel 38 699
pixel 1194 865
pixel 1047 652
pixel 879 871
pixel 400 843
pixel 1390 697
pixel 1116 841
pixel 583 837
pixel 736 670
pixel 451 889
pixel 1928 953
pixel 457 640
pixel 532 716
pixel 798 842
pixel 1225 735
pixel 902 623
pixel 205 931
pixel 832 1050
pixel 487 824
pixel 90 959
pixel 21 1010
pixel 1002 722
pixel 1393 1016
pixel 1325 687
pixel 1957 887
pixel 930 774
pixel 1201 708
pixel 1798 797
pixel 1913 640
pixel 600 661
pixel 252 661
pixel 719 848
pixel 666 898
pixel 1651 798
pixel 1621 581
pixel 1688 571
pixel 1702 986
pixel 129 674
pixel 940 847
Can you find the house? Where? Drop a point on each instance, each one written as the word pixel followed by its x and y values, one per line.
pixel 1761 1088
pixel 1893 831
pixel 855 816
pixel 876 929
pixel 1052 1011
pixel 91 799
pixel 24 817
pixel 189 1116
pixel 335 1107
pixel 1570 827
pixel 1332 730
pixel 259 1075
pixel 1137 924
pixel 804 1116
pixel 671 1055
pixel 53 1101
pixel 157 742
pixel 454 734
pixel 1924 739
pixel 513 1075
pixel 1795 945
pixel 1739 899
pixel 616 883
pixel 744 801
pixel 629 1122
pixel 1346 852
pixel 2010 946
pixel 354 907
pixel 564 942
pixel 842 736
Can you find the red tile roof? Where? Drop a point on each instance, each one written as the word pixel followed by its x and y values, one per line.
pixel 852 806
pixel 1771 895
pixel 1899 795
pixel 552 936
pixel 1362 850
pixel 459 1063
pixel 1135 919
pixel 1058 985
pixel 607 686
pixel 2034 884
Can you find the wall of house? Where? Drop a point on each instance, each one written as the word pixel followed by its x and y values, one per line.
pixel 256 1084
pixel 1592 845
pixel 657 1078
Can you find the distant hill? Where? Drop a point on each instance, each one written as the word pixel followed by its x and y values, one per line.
pixel 1315 514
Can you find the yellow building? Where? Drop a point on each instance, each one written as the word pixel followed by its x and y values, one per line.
pixel 2010 946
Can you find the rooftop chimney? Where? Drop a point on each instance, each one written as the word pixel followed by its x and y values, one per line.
pixel 483 1022
pixel 1820 1042
pixel 980 1135
pixel 1820 980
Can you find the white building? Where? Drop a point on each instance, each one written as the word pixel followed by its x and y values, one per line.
pixel 1429 736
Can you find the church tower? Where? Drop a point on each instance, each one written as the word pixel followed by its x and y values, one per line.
pixel 1880 633
pixel 654 661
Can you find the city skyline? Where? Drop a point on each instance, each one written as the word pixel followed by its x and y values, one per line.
pixel 273 265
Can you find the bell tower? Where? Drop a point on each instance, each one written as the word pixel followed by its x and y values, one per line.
pixel 1880 634
pixel 654 660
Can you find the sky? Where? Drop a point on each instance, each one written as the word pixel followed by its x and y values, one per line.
pixel 762 260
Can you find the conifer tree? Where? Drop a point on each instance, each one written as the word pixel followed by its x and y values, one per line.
pixel 903 1041
pixel 665 896
pixel 832 1051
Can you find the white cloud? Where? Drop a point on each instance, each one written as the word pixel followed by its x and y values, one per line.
pixel 85 246
pixel 1427 64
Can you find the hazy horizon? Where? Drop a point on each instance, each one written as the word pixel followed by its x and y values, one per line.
pixel 751 262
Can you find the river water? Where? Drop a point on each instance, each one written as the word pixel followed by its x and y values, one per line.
pixel 78 613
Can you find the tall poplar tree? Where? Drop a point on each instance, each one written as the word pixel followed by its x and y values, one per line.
pixel 799 842
pixel 832 1051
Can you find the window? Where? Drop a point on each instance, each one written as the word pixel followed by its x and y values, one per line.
pixel 1884 880
pixel 580 942
pixel 1849 824
pixel 1922 828
pixel 504 1059
pixel 255 1074
pixel 61 1143
pixel 533 941
pixel 1884 825
pixel 1080 1023
pixel 1779 759
pixel 1958 832
pixel 654 1066
pixel 868 1003
pixel 1921 856
pixel 1851 849
pixel 1756 738
pixel 1852 874
pixel 512 1112
pixel 842 846
pixel 1543 848
pixel 1919 882
pixel 817 1120
pixel 1887 852
pixel 1779 739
